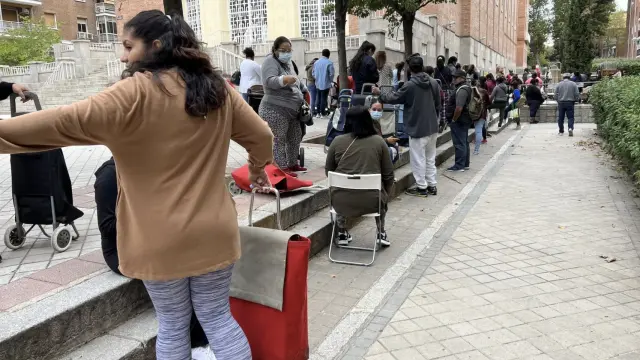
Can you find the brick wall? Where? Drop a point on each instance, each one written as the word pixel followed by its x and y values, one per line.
pixel 353 25
pixel 67 13
pixel 127 9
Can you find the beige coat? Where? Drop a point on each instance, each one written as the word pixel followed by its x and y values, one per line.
pixel 175 216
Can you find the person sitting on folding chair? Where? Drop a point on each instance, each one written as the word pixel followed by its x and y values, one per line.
pixel 360 151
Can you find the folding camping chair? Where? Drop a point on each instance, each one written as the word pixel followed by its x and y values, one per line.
pixel 354 182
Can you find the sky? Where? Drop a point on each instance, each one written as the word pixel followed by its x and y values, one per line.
pixel 622 4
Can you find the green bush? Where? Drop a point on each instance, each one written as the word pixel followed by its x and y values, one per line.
pixel 30 42
pixel 617 111
pixel 628 66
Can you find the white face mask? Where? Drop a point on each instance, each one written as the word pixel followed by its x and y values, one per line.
pixel 376 115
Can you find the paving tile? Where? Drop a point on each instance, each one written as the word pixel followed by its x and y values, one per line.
pixel 21 291
pixel 67 272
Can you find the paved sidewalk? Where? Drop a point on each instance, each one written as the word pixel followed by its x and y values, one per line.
pixel 515 271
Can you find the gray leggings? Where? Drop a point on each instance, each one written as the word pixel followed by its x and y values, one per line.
pixel 208 295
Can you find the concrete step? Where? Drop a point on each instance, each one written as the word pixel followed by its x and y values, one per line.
pixel 94 314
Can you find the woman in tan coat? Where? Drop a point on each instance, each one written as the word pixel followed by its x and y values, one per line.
pixel 168 125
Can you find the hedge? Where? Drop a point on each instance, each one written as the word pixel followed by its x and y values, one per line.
pixel 628 66
pixel 617 111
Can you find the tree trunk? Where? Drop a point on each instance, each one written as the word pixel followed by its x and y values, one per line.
pixel 341 23
pixel 407 30
pixel 173 7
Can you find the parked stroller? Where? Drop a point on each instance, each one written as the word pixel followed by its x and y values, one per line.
pixel 255 95
pixel 335 125
pixel 41 194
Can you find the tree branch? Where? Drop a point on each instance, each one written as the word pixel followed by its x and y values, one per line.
pixel 424 4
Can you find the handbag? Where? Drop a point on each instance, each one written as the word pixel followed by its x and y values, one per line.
pixel 276 326
pixel 304 114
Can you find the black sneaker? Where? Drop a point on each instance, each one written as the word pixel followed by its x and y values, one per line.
pixel 453 169
pixel 534 121
pixel 432 190
pixel 570 133
pixel 382 238
pixel 416 191
pixel 500 123
pixel 344 238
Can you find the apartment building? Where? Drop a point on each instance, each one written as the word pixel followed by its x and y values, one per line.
pixel 633 29
pixel 487 33
pixel 76 19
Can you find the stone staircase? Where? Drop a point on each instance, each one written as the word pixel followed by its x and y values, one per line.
pixel 64 92
pixel 109 317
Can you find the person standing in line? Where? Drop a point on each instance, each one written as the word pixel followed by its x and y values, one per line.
pixel 421 99
pixel 397 75
pixel 323 72
pixel 460 121
pixel 281 105
pixel 443 74
pixel 385 72
pixel 534 100
pixel 363 67
pixel 311 87
pixel 479 125
pixel 250 73
pixel 168 124
pixel 500 98
pixel 567 95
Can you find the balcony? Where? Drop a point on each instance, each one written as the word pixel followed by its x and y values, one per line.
pixel 105 38
pixel 9 25
pixel 85 36
pixel 105 9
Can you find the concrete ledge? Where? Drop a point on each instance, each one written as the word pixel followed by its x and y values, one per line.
pixel 548 113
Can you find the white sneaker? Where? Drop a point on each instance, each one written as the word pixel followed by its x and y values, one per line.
pixel 382 238
pixel 202 353
pixel 344 238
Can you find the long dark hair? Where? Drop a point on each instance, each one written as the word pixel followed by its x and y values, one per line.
pixel 179 49
pixel 354 64
pixel 359 123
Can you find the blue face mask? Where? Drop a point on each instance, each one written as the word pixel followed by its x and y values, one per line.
pixel 284 57
pixel 376 115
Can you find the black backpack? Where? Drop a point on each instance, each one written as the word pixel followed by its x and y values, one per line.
pixel 235 78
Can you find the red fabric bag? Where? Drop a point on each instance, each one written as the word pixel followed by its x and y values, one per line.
pixel 278 178
pixel 275 335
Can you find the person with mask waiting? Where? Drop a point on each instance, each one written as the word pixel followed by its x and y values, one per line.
pixel 106 196
pixel 376 111
pixel 281 105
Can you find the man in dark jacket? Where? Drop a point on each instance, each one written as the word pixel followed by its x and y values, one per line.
pixel 460 120
pixel 106 196
pixel 421 99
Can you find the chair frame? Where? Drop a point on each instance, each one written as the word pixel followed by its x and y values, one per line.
pixel 354 182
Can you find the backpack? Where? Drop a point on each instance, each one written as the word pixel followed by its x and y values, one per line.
pixel 235 78
pixel 476 105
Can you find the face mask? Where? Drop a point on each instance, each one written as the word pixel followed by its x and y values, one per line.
pixel 376 115
pixel 284 57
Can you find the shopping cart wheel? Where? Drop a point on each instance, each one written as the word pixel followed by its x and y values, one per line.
pixel 301 157
pixel 12 238
pixel 234 189
pixel 61 239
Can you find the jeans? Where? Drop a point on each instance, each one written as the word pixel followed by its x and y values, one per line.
pixel 313 95
pixel 500 105
pixel 565 108
pixel 321 101
pixel 422 154
pixel 460 138
pixel 245 96
pixel 479 126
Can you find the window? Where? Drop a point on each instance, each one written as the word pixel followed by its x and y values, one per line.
pixel 9 14
pixel 193 16
pixel 108 27
pixel 82 25
pixel 50 20
pixel 313 22
pixel 248 20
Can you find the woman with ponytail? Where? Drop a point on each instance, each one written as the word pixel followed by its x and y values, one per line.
pixel 168 124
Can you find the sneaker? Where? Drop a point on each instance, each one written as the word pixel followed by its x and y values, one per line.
pixel 416 191
pixel 535 121
pixel 500 123
pixel 561 133
pixel 518 127
pixel 432 190
pixel 344 238
pixel 476 153
pixel 297 168
pixel 466 168
pixel 382 238
pixel 571 133
pixel 202 353
pixel 484 141
pixel 453 168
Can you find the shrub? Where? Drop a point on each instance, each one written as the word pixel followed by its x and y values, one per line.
pixel 617 111
pixel 30 42
pixel 628 66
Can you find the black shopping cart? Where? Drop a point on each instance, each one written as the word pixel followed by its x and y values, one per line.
pixel 42 195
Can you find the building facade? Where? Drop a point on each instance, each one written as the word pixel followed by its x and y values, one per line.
pixel 487 33
pixel 633 29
